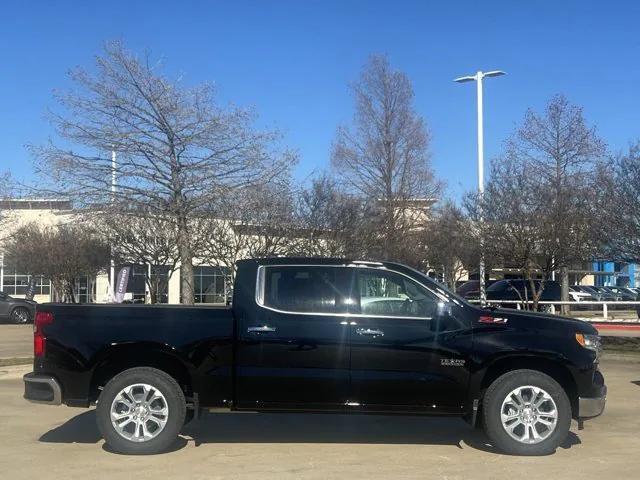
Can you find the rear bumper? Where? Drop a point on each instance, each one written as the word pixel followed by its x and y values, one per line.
pixel 42 389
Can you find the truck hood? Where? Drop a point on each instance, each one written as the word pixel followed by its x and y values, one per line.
pixel 542 321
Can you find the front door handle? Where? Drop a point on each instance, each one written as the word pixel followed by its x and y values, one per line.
pixel 370 332
pixel 261 329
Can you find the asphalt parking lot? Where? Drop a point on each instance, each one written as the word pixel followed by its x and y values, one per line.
pixel 16 341
pixel 60 442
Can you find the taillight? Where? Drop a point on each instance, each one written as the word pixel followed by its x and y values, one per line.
pixel 39 340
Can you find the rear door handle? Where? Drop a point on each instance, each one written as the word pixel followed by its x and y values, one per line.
pixel 261 329
pixel 370 332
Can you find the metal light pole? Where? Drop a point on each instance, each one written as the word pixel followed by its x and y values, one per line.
pixel 112 269
pixel 478 79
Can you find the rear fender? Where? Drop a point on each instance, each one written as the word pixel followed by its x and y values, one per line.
pixel 118 358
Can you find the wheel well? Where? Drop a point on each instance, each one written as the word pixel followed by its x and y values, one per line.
pixel 123 359
pixel 554 369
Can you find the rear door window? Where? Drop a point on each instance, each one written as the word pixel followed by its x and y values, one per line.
pixel 308 289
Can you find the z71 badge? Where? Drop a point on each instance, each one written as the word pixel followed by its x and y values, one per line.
pixel 452 362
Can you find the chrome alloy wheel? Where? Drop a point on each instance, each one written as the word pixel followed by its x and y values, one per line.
pixel 139 412
pixel 21 315
pixel 529 414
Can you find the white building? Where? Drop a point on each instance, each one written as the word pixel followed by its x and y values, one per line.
pixel 209 280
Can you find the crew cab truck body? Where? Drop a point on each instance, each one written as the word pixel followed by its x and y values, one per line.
pixel 326 335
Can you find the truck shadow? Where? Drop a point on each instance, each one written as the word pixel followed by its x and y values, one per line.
pixel 303 428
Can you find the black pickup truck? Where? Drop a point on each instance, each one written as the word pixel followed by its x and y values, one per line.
pixel 323 335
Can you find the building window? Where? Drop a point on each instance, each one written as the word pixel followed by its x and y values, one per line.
pixel 137 285
pixel 17 284
pixel 85 289
pixel 210 284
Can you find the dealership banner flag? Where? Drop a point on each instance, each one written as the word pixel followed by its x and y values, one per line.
pixel 121 284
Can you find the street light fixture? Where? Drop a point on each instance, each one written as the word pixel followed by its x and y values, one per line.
pixel 478 79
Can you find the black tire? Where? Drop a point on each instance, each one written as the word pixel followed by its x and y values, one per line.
pixel 176 404
pixel 492 405
pixel 21 316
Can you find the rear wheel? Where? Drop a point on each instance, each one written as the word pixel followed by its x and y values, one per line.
pixel 141 411
pixel 20 315
pixel 526 412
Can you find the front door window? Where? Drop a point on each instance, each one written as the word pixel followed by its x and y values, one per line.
pixel 384 293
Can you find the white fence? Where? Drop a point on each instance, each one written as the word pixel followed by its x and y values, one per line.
pixel 574 307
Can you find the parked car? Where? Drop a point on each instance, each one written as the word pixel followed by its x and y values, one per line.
pixel 16 310
pixel 608 295
pixel 623 293
pixel 598 296
pixel 471 289
pixel 518 290
pixel 578 295
pixel 321 335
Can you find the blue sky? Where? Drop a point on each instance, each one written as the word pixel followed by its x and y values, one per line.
pixel 293 60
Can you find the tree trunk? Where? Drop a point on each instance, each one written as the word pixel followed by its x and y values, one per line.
pixel 564 289
pixel 69 296
pixel 58 290
pixel 186 263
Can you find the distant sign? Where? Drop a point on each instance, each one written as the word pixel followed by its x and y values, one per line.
pixel 121 284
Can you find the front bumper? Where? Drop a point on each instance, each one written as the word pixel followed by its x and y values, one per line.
pixel 42 389
pixel 589 407
pixel 591 404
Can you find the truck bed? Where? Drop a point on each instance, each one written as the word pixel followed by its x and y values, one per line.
pixel 92 339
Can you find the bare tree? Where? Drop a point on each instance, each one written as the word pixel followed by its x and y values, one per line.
pixel 257 223
pixel 540 205
pixel 448 247
pixel 177 150
pixel 5 189
pixel 564 152
pixel 62 254
pixel 621 211
pixel 143 238
pixel 384 155
pixel 332 222
pixel 507 218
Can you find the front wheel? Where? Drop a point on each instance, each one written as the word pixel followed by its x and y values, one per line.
pixel 526 412
pixel 141 411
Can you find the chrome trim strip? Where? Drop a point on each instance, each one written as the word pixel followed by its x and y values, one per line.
pixel 260 287
pixel 346 315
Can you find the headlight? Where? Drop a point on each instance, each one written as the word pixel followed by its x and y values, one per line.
pixel 592 342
